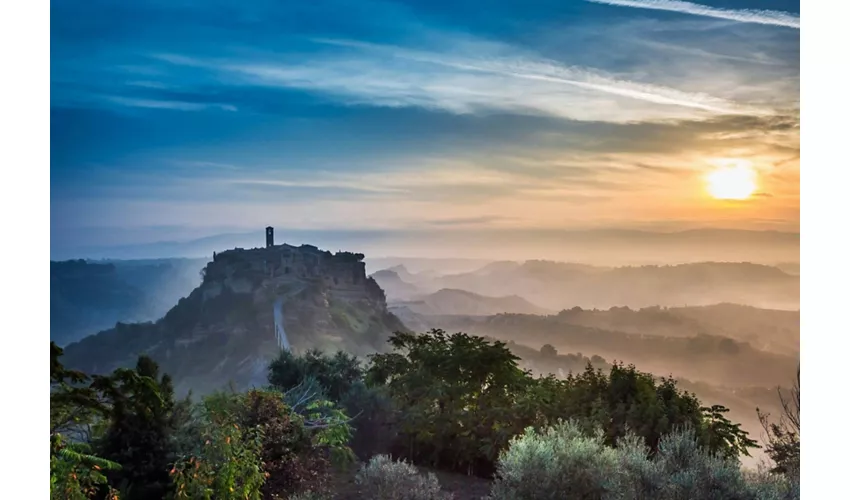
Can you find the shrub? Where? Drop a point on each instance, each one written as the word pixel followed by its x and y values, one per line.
pixel 638 476
pixel 693 473
pixel 228 468
pixel 288 452
pixel 557 463
pixel 385 479
pixel 563 462
pixel 308 495
pixel 774 486
pixel 292 449
pixel 75 474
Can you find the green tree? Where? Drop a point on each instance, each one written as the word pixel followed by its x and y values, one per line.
pixel 75 472
pixel 227 462
pixel 456 397
pixel 460 399
pixel 140 430
pixel 73 402
pixel 336 373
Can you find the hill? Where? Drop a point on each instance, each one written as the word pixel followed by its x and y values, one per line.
pixel 395 286
pixel 88 296
pixel 250 304
pixel 558 285
pixel 461 302
pixel 704 357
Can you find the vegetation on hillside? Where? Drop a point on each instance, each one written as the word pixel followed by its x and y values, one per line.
pixel 89 296
pixel 448 402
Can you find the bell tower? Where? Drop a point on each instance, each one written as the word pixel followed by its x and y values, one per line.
pixel 269 237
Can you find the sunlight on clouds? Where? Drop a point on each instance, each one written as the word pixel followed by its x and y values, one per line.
pixel 465 79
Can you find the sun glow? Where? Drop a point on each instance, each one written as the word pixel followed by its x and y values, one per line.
pixel 731 182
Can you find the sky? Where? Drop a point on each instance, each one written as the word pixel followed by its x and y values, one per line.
pixel 185 119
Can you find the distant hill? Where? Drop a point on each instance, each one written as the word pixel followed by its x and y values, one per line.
pixel 697 352
pixel 460 302
pixel 250 304
pixel 765 329
pixel 790 267
pixel 558 285
pixel 395 286
pixel 88 296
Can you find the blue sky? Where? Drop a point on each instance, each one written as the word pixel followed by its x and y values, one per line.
pixel 192 118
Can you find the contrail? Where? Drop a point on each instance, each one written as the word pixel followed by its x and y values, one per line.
pixel 772 17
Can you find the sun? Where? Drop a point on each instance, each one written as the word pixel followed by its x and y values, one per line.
pixel 736 182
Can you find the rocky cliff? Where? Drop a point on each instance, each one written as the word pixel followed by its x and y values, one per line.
pixel 225 330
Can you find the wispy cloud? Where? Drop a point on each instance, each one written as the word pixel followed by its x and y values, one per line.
pixel 771 17
pixel 176 105
pixel 465 79
pixel 528 67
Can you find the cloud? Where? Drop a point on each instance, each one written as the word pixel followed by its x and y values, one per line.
pixel 176 105
pixel 471 77
pixel 771 17
pixel 468 221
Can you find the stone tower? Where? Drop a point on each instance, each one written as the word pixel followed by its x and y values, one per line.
pixel 269 237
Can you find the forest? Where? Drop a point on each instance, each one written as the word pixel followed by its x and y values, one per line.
pixel 394 424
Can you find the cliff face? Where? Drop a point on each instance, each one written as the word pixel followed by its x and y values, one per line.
pixel 224 331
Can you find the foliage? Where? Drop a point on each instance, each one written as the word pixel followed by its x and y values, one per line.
pixel 385 479
pixel 563 461
pixel 783 437
pixel 228 466
pixel 335 374
pixel 301 434
pixel 73 402
pixel 140 428
pixel 309 495
pixel 318 384
pixel 460 399
pixel 76 474
pixel 456 396
pixel 371 410
pixel 559 462
pixel 292 459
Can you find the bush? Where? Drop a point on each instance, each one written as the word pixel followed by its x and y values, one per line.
pixel 293 450
pixel 228 467
pixel 288 452
pixel 558 463
pixel 562 462
pixel 693 473
pixel 385 479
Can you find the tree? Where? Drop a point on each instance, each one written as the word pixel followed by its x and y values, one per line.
pixel 73 402
pixel 548 351
pixel 75 472
pixel 461 398
pixel 456 397
pixel 140 430
pixel 335 374
pixel 783 437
